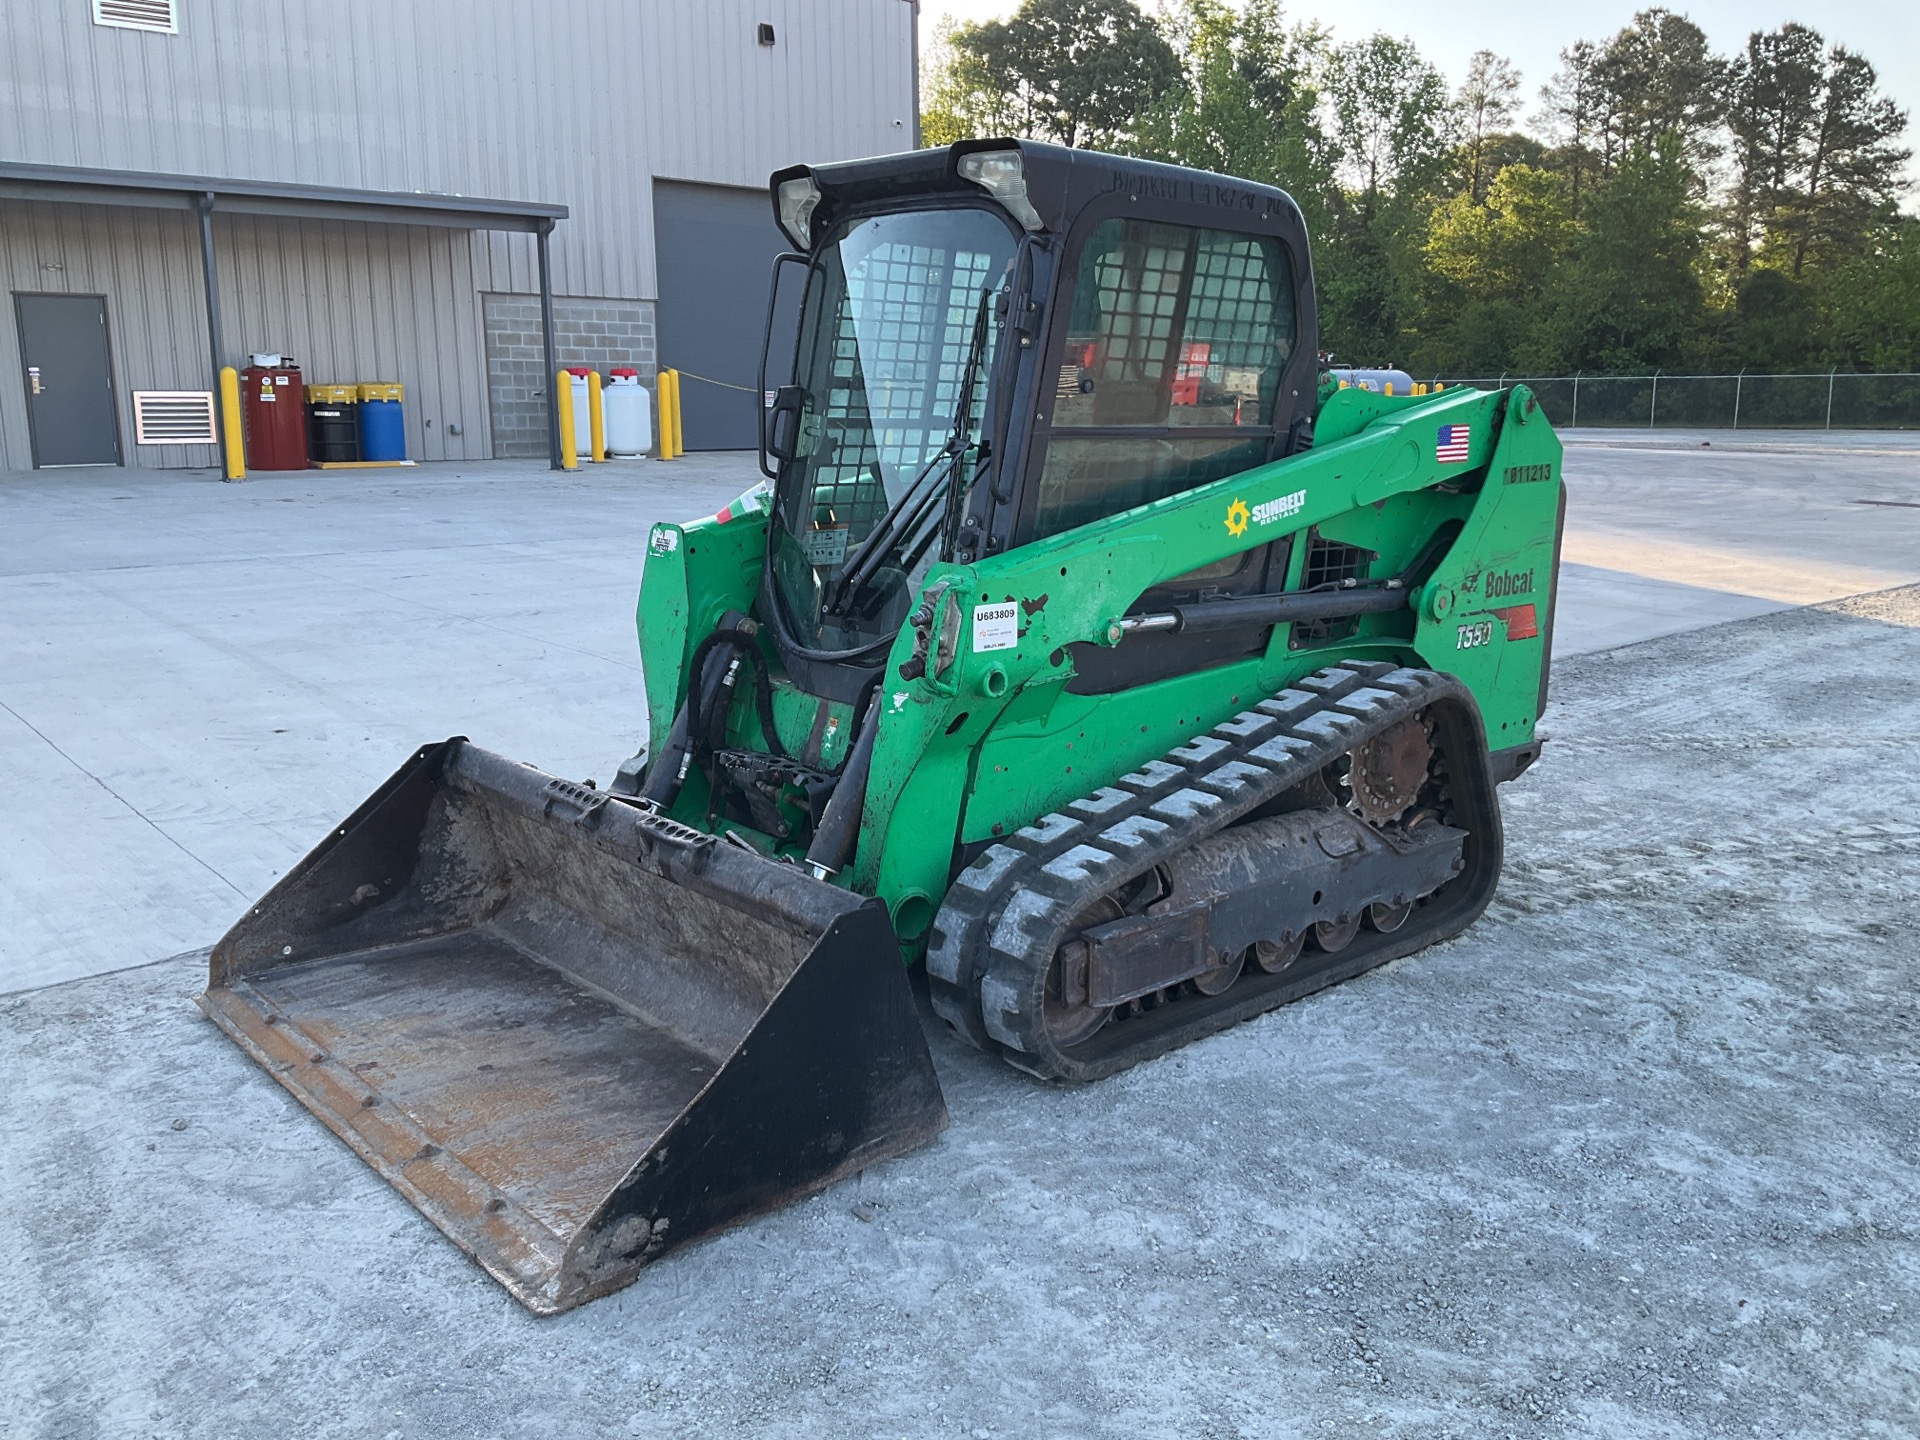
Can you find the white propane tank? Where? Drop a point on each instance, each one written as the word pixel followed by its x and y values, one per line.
pixel 627 411
pixel 582 412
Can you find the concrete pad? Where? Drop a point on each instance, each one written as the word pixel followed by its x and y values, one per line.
pixel 1601 608
pixel 1631 1158
pixel 241 664
pixel 200 679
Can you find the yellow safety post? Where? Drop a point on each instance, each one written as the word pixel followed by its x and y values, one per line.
pixel 679 436
pixel 563 398
pixel 668 387
pixel 597 435
pixel 1438 387
pixel 663 402
pixel 230 436
pixel 1343 384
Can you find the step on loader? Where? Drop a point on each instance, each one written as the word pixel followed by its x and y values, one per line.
pixel 1086 645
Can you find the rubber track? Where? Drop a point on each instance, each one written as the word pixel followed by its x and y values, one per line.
pixel 1006 914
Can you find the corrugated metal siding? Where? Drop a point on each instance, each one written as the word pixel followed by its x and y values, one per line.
pixel 350 301
pixel 146 262
pixel 475 97
pixel 357 302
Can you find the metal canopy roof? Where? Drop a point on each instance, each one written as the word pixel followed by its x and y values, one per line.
pixel 80 185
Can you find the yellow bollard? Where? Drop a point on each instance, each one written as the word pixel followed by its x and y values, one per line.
pixel 1343 384
pixel 663 419
pixel 668 388
pixel 679 436
pixel 230 425
pixel 1438 387
pixel 563 399
pixel 597 436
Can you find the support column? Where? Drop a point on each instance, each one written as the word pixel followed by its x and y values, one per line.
pixel 203 203
pixel 552 366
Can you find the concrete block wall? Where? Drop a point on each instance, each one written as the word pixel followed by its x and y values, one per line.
pixel 600 333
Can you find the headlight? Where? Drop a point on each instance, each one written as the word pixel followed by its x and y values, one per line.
pixel 1003 175
pixel 798 198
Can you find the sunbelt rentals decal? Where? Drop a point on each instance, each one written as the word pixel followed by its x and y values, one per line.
pixel 1240 516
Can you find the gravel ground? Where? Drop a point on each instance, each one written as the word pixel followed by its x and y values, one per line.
pixel 1634 1157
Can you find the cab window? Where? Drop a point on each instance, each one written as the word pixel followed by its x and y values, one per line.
pixel 1170 369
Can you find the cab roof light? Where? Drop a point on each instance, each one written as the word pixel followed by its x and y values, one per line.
pixel 798 199
pixel 1003 175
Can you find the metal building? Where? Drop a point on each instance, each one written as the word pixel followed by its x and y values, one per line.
pixel 370 186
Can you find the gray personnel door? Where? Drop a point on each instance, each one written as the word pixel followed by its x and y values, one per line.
pixel 715 247
pixel 68 373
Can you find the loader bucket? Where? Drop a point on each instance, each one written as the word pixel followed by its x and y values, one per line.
pixel 573 1033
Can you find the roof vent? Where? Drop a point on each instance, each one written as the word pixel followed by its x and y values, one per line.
pixel 173 417
pixel 162 17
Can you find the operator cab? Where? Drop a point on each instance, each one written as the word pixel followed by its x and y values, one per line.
pixel 1002 340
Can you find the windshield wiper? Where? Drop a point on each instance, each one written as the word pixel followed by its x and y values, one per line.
pixel 913 508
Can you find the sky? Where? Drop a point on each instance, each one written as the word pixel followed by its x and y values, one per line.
pixel 1887 32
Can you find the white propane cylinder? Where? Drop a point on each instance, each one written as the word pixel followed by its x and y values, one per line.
pixel 582 413
pixel 627 412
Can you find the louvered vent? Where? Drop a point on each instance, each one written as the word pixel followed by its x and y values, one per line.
pixel 173 417
pixel 160 16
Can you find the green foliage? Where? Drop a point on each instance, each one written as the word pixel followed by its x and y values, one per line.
pixel 1815 160
pixel 1873 302
pixel 1773 314
pixel 1487 103
pixel 1073 71
pixel 1393 120
pixel 959 97
pixel 1488 266
pixel 1666 207
pixel 1248 104
pixel 1630 297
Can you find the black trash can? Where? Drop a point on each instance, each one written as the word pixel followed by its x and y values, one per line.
pixel 333 424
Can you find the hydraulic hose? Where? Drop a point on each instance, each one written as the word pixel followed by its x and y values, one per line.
pixel 840 825
pixel 700 726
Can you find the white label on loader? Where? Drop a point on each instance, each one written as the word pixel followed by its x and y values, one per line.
pixel 827 545
pixel 1272 510
pixel 996 627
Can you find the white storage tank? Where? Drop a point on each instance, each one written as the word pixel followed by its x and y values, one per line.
pixel 627 412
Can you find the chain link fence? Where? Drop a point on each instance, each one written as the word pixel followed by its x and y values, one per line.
pixel 1746 401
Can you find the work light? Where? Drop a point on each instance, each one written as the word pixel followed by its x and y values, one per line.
pixel 1003 175
pixel 798 197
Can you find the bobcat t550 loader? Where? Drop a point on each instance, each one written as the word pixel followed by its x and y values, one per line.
pixel 1086 646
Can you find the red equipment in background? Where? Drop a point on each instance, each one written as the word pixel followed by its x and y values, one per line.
pixel 273 404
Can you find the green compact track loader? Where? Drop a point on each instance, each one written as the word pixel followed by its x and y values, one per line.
pixel 1087 646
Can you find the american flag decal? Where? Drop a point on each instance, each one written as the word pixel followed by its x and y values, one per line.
pixel 1452 444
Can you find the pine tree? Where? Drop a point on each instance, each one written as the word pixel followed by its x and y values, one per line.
pixel 1487 105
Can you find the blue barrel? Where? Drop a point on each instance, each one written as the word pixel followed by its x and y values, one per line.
pixel 383 424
